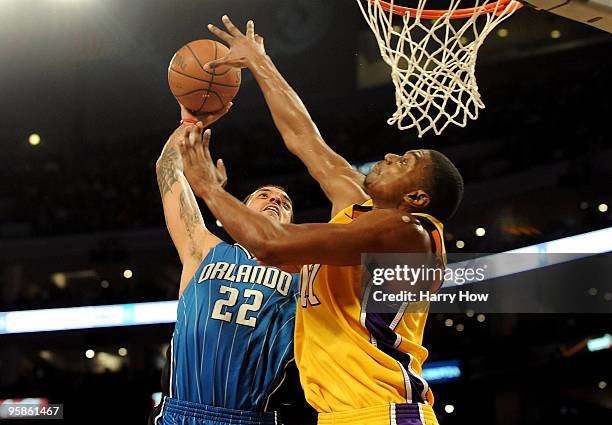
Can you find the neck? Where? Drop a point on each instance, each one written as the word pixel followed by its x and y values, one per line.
pixel 381 204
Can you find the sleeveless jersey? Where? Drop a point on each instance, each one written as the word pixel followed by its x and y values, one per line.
pixel 349 359
pixel 234 331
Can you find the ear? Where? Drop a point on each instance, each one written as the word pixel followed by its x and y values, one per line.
pixel 417 199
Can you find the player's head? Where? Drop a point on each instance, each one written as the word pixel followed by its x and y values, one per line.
pixel 272 201
pixel 421 180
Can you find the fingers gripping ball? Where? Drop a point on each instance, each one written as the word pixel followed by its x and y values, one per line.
pixel 200 89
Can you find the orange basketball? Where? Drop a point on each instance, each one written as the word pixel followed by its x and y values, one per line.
pixel 198 89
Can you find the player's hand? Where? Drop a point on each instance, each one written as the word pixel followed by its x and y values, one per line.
pixel 206 119
pixel 198 166
pixel 244 48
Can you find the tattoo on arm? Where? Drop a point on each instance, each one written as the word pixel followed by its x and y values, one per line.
pixel 169 171
pixel 170 164
pixel 191 217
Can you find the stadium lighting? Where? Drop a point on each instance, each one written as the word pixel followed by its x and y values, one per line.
pixel 502 33
pixel 449 408
pixel 598 344
pixel 105 284
pixel 602 208
pixel 90 354
pixel 470 313
pixel 602 384
pixel 122 351
pixel 442 371
pixel 448 322
pixel 159 312
pixel 555 34
pixel 460 328
pixel 128 274
pixel 156 398
pixel 34 139
pixel 460 244
pixel 480 231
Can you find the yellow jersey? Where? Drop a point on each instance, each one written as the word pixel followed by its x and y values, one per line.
pixel 349 359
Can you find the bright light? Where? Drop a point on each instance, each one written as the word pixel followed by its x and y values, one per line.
pixel 602 343
pixel 460 244
pixel 480 231
pixel 122 352
pixel 448 322
pixel 128 274
pixel 45 354
pixel 502 33
pixel 555 34
pixel 449 408
pixel 602 385
pixel 59 279
pixel 90 354
pixel 34 139
pixel 156 397
pixel 218 223
pixel 460 327
pixel 602 208
pixel 481 318
pixel 470 313
pixel 441 371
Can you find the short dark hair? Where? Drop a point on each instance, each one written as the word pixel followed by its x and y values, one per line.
pixel 444 185
pixel 246 199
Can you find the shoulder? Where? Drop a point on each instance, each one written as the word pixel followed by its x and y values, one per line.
pixel 397 228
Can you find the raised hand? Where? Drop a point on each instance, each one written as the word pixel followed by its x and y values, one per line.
pixel 198 166
pixel 244 48
pixel 206 118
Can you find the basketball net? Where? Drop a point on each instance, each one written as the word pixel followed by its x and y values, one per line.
pixel 433 57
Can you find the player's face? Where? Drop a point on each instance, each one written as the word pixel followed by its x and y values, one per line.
pixel 272 202
pixel 396 175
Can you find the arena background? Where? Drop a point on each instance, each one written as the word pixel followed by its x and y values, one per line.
pixel 82 206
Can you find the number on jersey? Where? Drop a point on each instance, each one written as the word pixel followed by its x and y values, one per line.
pixel 252 303
pixel 307 278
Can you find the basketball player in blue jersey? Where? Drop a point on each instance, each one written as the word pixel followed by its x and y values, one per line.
pixel 356 367
pixel 234 332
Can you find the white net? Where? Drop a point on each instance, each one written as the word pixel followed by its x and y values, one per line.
pixel 433 60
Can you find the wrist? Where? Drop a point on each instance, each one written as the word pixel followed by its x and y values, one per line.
pixel 207 191
pixel 259 63
pixel 188 121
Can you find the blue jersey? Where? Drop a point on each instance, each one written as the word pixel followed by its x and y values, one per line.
pixel 234 331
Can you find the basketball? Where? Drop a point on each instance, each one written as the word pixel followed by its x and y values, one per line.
pixel 198 89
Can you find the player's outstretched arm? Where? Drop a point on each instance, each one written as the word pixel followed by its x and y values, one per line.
pixel 183 218
pixel 341 184
pixel 387 230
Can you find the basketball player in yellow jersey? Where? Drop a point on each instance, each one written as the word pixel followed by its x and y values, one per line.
pixel 355 367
